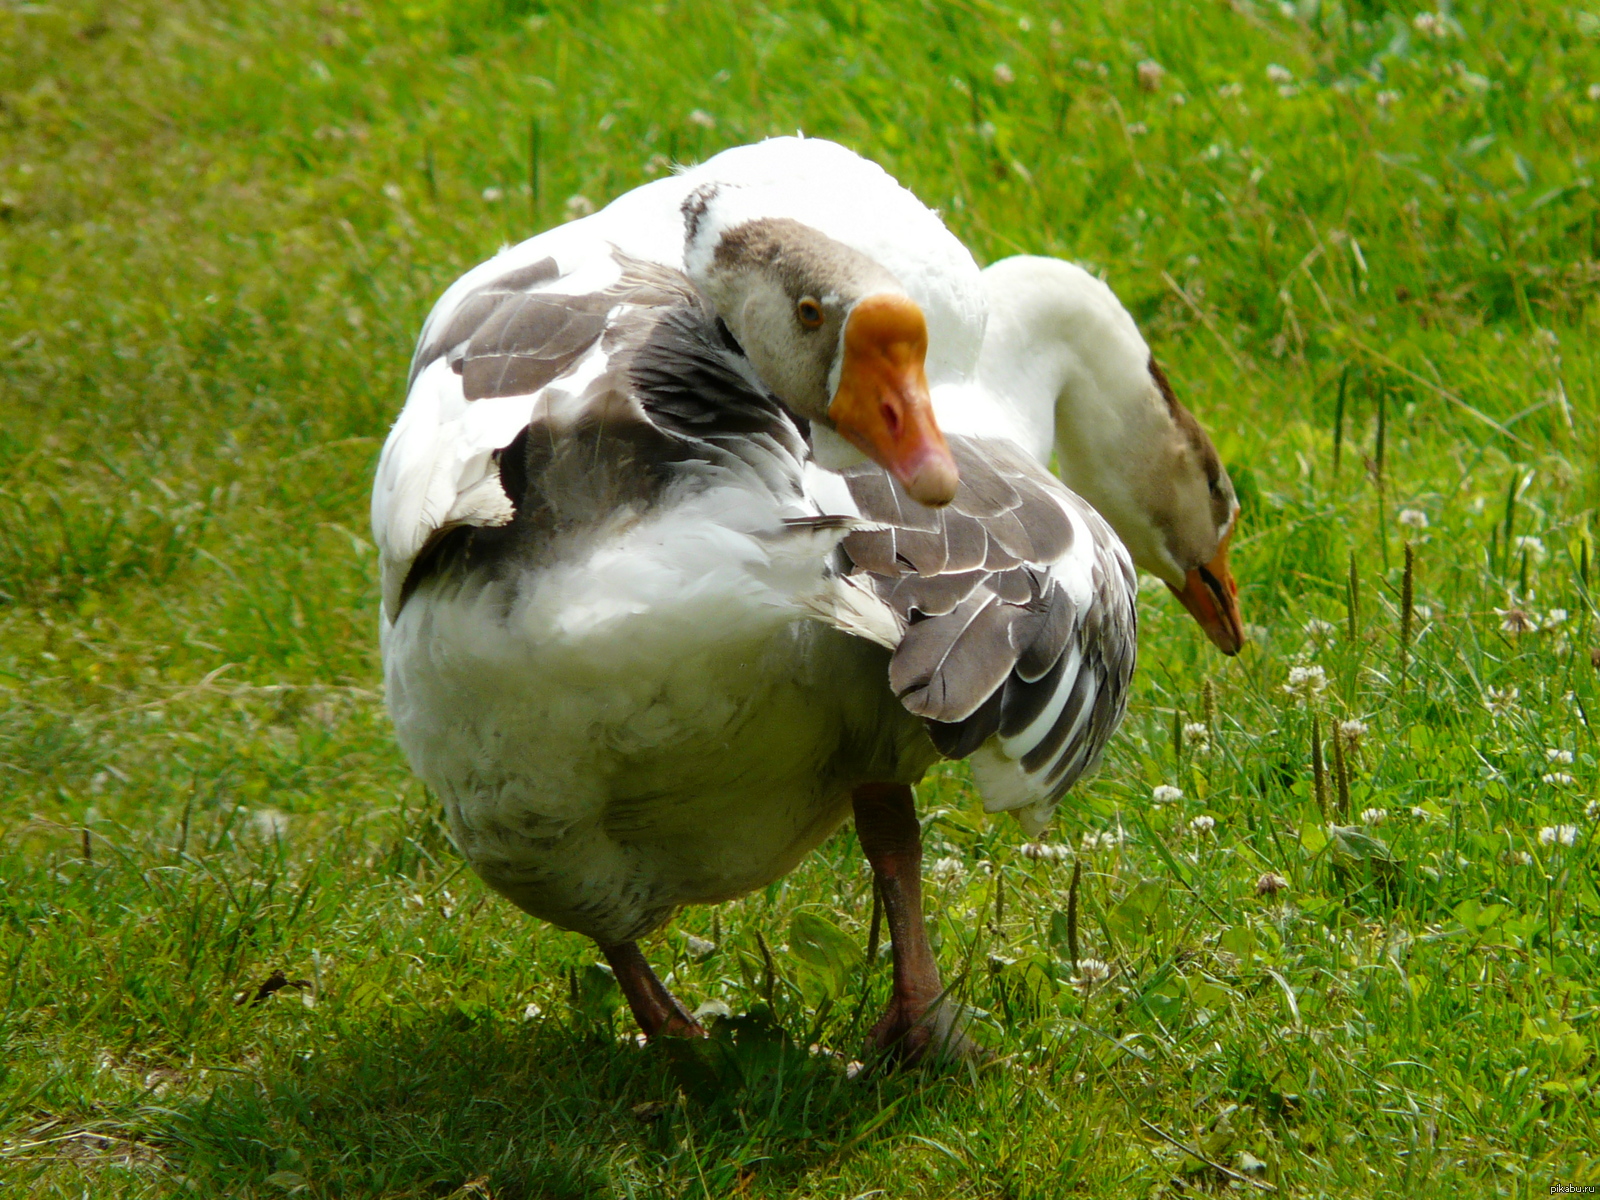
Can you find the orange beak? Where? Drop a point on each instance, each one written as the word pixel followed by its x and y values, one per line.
pixel 1212 598
pixel 882 406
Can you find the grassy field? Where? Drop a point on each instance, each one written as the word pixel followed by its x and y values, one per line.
pixel 1363 238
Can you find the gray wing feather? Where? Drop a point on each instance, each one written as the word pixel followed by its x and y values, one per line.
pixel 477 308
pixel 526 342
pixel 995 642
pixel 945 668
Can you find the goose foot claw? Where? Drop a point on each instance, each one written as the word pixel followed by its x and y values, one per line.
pixel 678 1024
pixel 914 1033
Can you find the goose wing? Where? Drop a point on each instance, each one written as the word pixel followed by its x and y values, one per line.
pixel 614 374
pixel 1017 602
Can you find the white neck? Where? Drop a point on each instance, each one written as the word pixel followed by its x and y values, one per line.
pixel 1064 365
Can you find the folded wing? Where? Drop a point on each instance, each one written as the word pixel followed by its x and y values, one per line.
pixel 1018 607
pixel 545 403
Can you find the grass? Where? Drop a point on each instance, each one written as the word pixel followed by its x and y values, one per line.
pixel 1365 246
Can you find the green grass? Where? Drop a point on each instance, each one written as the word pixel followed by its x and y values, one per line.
pixel 220 228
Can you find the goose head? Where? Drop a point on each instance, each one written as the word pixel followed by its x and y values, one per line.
pixel 833 334
pixel 1065 357
pixel 1190 502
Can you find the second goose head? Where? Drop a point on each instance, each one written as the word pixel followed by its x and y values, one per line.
pixel 833 334
pixel 1066 356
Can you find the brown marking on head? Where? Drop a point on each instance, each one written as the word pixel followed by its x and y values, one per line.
pixel 1223 502
pixel 800 257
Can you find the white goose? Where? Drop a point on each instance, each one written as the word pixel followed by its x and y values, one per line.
pixel 646 650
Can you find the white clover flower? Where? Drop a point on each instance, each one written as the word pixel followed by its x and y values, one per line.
pixel 1229 90
pixel 702 118
pixel 531 1012
pixel 1501 701
pixel 1387 97
pixel 1277 74
pixel 577 207
pixel 698 947
pixel 1165 793
pixel 270 823
pixel 1177 99
pixel 1352 732
pixel 1557 755
pixel 1565 835
pixel 1518 858
pixel 1049 852
pixel 1424 612
pixel 1556 616
pixel 1305 684
pixel 1202 825
pixel 1534 546
pixel 1412 518
pixel 1591 811
pixel 1004 75
pixel 1138 129
pixel 1558 779
pixel 1150 73
pixel 1108 840
pixel 1374 816
pixel 1090 972
pixel 1196 731
pixel 1318 628
pixel 1430 25
pixel 1517 620
pixel 491 194
pixel 1420 813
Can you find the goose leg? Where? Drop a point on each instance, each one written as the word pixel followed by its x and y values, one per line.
pixel 886 825
pixel 656 1009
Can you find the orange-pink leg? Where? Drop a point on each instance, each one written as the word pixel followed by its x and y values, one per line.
pixel 656 1009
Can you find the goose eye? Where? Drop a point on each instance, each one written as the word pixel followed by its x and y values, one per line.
pixel 809 313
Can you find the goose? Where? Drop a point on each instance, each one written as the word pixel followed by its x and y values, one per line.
pixel 679 569
pixel 1063 369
